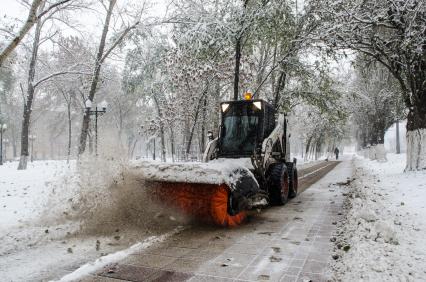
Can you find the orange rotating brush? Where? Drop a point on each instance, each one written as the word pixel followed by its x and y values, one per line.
pixel 205 202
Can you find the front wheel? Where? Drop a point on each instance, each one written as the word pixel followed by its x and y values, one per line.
pixel 294 183
pixel 278 184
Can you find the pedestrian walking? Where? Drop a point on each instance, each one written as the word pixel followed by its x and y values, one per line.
pixel 336 152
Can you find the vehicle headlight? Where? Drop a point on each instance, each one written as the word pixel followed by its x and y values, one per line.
pixel 225 107
pixel 258 105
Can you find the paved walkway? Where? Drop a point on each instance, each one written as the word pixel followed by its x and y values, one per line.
pixel 289 243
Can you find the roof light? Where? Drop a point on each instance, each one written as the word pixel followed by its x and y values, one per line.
pixel 103 105
pixel 225 107
pixel 248 96
pixel 258 104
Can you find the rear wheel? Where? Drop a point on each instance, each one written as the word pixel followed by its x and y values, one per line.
pixel 278 184
pixel 294 183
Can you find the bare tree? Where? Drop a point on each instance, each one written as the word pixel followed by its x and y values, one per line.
pixel 101 55
pixel 32 83
pixel 238 50
pixel 34 16
pixel 30 95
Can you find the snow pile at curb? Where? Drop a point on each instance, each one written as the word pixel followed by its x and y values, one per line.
pixel 89 268
pixel 381 237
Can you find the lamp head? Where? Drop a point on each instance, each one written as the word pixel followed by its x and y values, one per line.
pixel 88 104
pixel 103 105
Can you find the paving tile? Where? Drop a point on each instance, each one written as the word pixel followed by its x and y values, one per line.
pixel 127 272
pixel 314 266
pixel 170 276
pixel 293 271
pixel 297 263
pixel 246 248
pixel 184 265
pixel 167 251
pixel 260 273
pixel 322 246
pixel 149 260
pixel 322 239
pixel 303 277
pixel 272 261
pixel 288 278
pixel 203 254
pixel 319 256
pixel 301 254
pixel 218 269
pixel 190 244
pixel 234 259
pixel 204 278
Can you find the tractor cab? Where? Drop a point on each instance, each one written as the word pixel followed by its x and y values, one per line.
pixel 244 126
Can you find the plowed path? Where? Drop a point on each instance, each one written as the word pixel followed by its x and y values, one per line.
pixel 287 243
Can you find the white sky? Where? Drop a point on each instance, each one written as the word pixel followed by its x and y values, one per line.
pixel 13 8
pixel 90 22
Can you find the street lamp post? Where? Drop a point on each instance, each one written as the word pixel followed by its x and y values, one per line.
pixel 4 148
pixel 97 111
pixel 3 128
pixel 153 153
pixel 32 138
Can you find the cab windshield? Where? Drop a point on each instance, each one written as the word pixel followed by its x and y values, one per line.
pixel 239 132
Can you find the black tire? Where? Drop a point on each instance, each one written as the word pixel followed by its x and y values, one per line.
pixel 294 183
pixel 278 184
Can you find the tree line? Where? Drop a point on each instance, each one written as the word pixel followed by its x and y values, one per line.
pixel 177 67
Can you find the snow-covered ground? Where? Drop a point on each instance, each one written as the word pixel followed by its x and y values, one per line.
pixel 23 193
pixel 382 237
pixel 55 217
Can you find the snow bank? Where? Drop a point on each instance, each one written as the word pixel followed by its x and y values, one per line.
pixel 382 237
pixel 89 268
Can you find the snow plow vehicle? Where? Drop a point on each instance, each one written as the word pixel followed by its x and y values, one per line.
pixel 246 167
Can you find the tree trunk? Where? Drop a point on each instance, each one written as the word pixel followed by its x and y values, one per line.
pixel 191 135
pixel 160 116
pixel 31 20
pixel 203 126
pixel 132 148
pixel 398 143
pixel 69 130
pixel 95 78
pixel 172 143
pixel 30 97
pixel 416 140
pixel 238 47
pixel 280 86
pixel 308 145
pixel 237 68
pixel 416 119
